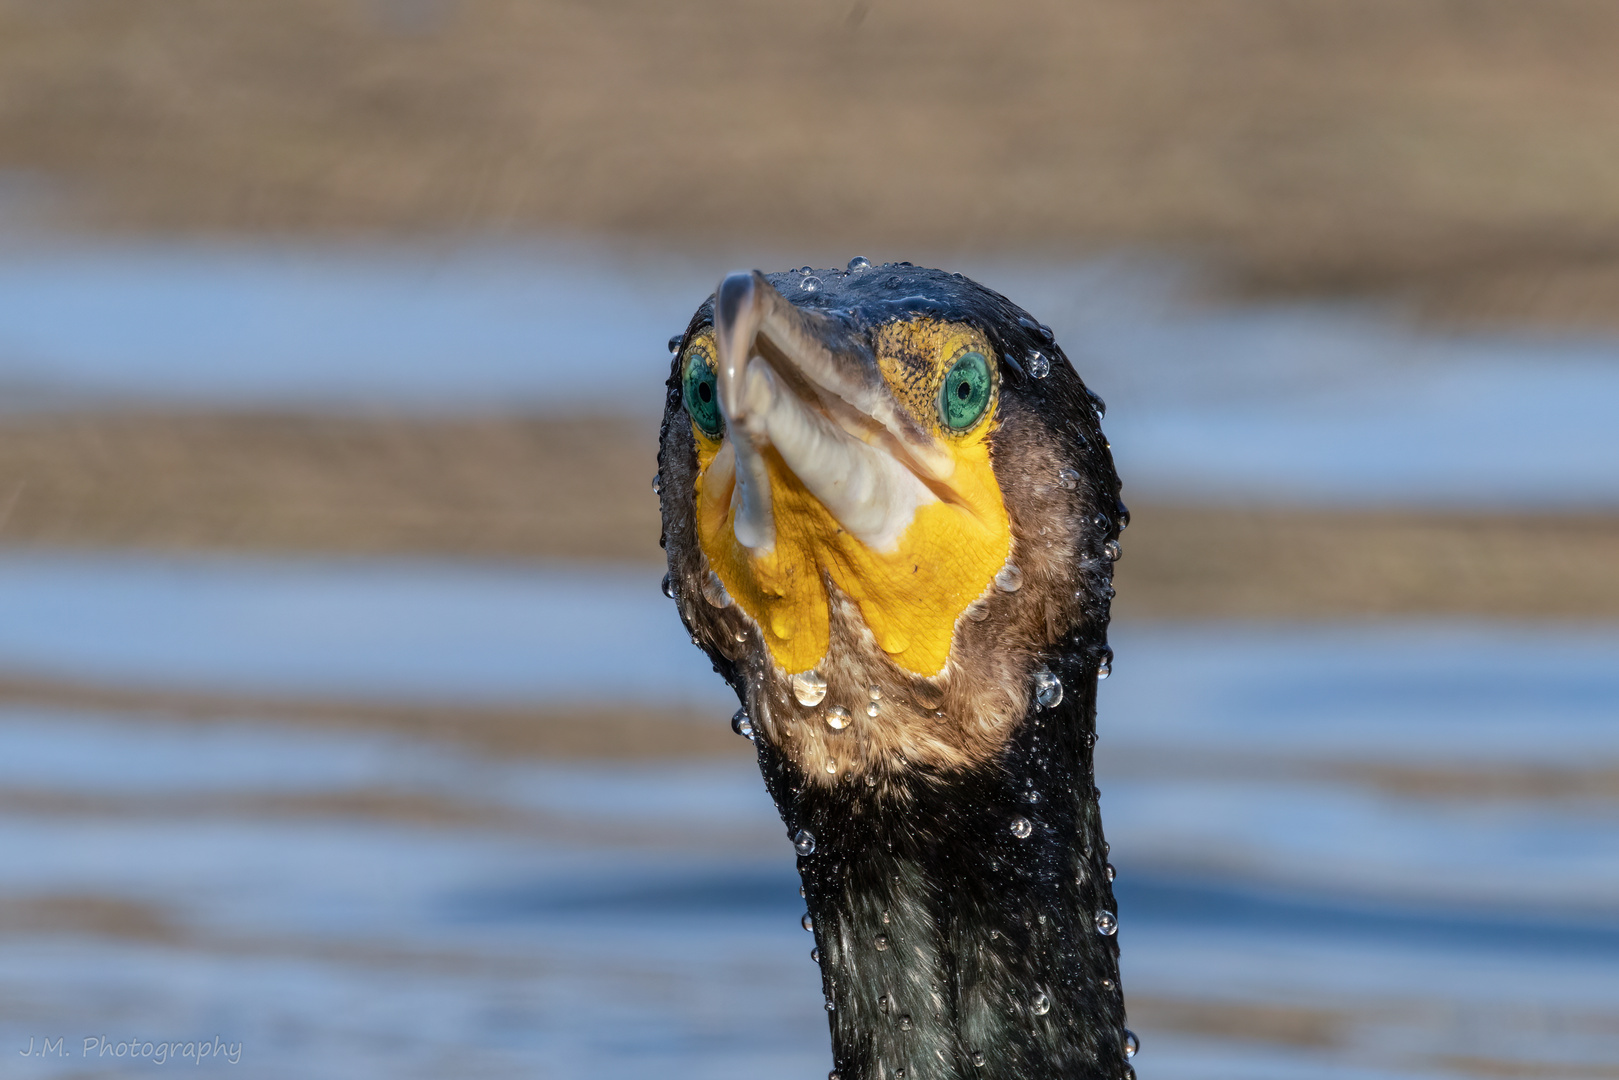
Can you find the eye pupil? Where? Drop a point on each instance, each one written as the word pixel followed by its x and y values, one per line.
pixel 705 391
pixel 964 390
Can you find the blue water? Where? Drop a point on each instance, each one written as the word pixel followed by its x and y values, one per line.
pixel 1293 402
pixel 528 917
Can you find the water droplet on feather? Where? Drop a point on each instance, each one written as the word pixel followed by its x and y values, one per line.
pixel 859 263
pixel 1107 923
pixel 1112 550
pixel 714 591
pixel 1038 365
pixel 742 724
pixel 657 483
pixel 809 687
pixel 1009 578
pixel 810 284
pixel 804 842
pixel 1040 1004
pixel 669 586
pixel 837 718
pixel 1068 478
pixel 1132 1045
pixel 1021 828
pixel 807 923
pixel 1047 689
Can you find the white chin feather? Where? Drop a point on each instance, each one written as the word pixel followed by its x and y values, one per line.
pixel 870 494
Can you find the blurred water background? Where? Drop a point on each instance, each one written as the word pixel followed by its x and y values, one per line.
pixel 342 718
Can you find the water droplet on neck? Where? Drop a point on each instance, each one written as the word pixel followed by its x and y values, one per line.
pixel 977 611
pixel 657 483
pixel 1111 873
pixel 882 1003
pixel 859 263
pixel 1112 550
pixel 1037 365
pixel 674 342
pixel 831 1006
pixel 905 1024
pixel 669 586
pixel 810 284
pixel 714 591
pixel 804 842
pixel 1021 828
pixel 979 1059
pixel 1107 923
pixel 1099 522
pixel 1132 1045
pixel 809 687
pixel 837 718
pixel 1068 478
pixel 881 943
pixel 742 724
pixel 1009 578
pixel 1040 1004
pixel 1047 689
pixel 1104 664
pixel 873 709
pixel 1032 796
pixel 831 767
pixel 875 693
pixel 807 923
pixel 871 779
pixel 815 956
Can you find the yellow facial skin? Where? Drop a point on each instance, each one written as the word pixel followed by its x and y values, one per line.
pixel 910 597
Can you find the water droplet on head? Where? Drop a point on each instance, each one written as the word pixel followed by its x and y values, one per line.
pixel 1107 923
pixel 809 687
pixel 1021 828
pixel 1009 578
pixel 979 1059
pixel 977 611
pixel 1040 1003
pixel 1132 1045
pixel 831 1006
pixel 882 1003
pixel 833 1076
pixel 674 342
pixel 657 483
pixel 831 767
pixel 1038 365
pixel 804 842
pixel 881 943
pixel 714 591
pixel 871 779
pixel 1112 550
pixel 1032 796
pixel 1111 873
pixel 1047 689
pixel 815 955
pixel 859 263
pixel 1128 1074
pixel 837 718
pixel 905 1024
pixel 669 586
pixel 873 709
pixel 1099 522
pixel 810 284
pixel 807 923
pixel 1068 478
pixel 1104 664
pixel 742 724
pixel 875 693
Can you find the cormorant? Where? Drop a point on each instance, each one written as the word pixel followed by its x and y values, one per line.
pixel 891 519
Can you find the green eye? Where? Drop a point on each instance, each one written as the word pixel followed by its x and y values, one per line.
pixel 965 394
pixel 702 395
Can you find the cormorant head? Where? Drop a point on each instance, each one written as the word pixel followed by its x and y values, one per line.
pixel 886 500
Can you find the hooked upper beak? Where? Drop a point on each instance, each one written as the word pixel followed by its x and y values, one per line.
pixel 804 385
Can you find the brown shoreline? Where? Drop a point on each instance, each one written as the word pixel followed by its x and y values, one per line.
pixel 580 489
pixel 1457 154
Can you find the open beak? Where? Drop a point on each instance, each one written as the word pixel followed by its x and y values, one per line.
pixel 805 387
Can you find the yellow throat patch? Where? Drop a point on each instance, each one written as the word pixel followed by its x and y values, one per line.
pixel 910 596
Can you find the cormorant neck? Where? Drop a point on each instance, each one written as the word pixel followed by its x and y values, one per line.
pixel 964 920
